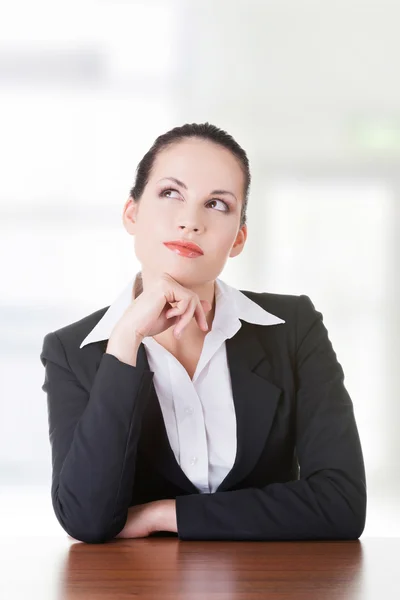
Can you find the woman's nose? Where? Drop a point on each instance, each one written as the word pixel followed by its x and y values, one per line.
pixel 189 228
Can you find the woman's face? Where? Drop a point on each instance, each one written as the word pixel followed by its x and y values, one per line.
pixel 168 211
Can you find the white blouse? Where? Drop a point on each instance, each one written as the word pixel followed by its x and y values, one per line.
pixel 199 414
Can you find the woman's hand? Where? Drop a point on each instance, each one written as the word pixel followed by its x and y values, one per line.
pixel 143 519
pixel 152 312
pixel 140 522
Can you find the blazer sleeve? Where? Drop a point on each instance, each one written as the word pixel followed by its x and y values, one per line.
pixel 93 438
pixel 329 500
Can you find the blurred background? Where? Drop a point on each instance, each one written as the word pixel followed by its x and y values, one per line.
pixel 309 88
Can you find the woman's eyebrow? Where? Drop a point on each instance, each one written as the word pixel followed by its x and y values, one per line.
pixel 181 184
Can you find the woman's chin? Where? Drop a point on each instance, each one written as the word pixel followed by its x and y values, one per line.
pixel 185 275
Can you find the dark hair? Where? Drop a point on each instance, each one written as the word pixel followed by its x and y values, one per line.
pixel 190 130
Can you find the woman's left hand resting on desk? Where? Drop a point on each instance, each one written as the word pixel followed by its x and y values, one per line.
pixel 144 519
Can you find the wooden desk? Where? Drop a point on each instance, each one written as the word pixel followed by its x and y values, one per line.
pixel 60 569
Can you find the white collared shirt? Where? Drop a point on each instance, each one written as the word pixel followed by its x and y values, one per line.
pixel 199 414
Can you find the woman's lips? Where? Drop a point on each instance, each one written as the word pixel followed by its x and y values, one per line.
pixel 182 251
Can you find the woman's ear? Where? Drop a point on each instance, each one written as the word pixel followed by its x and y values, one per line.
pixel 129 215
pixel 239 241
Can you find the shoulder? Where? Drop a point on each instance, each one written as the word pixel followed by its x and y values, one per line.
pixel 73 334
pixel 289 307
pixel 301 318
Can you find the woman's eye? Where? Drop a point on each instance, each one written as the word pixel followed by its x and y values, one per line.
pixel 168 190
pixel 222 202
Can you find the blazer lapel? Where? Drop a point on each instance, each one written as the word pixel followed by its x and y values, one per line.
pixel 255 401
pixel 154 442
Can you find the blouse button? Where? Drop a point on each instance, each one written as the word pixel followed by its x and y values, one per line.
pixel 193 460
pixel 189 410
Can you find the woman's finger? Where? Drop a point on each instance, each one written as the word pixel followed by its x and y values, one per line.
pixel 173 312
pixel 200 316
pixel 186 317
pixel 188 308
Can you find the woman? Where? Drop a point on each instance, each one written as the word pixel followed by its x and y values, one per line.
pixel 191 407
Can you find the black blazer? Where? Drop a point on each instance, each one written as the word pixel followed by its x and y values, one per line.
pixel 299 470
